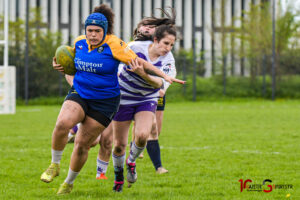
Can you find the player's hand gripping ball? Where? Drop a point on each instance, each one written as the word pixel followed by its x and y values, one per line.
pixel 65 57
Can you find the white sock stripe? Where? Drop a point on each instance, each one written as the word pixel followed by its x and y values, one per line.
pixel 140 148
pixel 56 151
pixel 113 155
pixel 134 153
pixel 56 156
pixel 102 162
pixel 118 161
pixel 71 176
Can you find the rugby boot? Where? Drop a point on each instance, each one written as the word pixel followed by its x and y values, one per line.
pixel 65 188
pixel 131 172
pixel 50 173
pixel 101 176
pixel 119 180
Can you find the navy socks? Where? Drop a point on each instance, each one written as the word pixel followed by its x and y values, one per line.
pixel 153 150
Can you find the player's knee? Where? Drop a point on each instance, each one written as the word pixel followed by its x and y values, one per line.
pixel 107 145
pixel 153 131
pixel 81 148
pixel 142 138
pixel 62 125
pixel 119 149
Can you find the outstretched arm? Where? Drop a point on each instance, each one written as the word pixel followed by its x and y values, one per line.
pixel 152 70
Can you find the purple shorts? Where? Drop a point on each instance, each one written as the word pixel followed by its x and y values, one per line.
pixel 127 112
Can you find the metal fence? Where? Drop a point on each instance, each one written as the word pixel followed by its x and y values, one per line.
pixel 201 24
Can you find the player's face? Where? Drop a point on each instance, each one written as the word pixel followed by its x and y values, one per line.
pixel 147 30
pixel 94 34
pixel 165 45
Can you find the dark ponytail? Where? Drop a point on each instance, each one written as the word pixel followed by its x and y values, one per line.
pixel 170 20
pixel 109 14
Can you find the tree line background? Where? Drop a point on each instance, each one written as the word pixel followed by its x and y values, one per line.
pixel 255 34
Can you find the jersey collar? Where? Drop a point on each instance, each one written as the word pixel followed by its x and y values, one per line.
pixel 91 48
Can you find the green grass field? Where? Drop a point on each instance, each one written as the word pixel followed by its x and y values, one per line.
pixel 206 146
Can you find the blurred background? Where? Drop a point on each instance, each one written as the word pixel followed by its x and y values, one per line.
pixel 224 48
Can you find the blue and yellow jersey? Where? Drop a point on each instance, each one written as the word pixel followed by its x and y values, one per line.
pixel 97 67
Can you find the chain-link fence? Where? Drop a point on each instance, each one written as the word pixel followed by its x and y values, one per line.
pixel 240 68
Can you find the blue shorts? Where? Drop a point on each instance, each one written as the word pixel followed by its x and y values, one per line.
pixel 102 110
pixel 127 112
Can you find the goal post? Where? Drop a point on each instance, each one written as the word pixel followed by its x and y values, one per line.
pixel 7 73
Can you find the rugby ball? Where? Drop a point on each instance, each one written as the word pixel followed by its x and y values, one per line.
pixel 65 57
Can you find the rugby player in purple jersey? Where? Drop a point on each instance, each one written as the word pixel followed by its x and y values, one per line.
pixel 138 102
pixel 144 31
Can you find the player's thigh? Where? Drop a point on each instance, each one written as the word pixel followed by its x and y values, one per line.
pixel 71 113
pixel 88 132
pixel 143 123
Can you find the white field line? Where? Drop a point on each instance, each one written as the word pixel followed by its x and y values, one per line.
pixel 184 148
pixel 208 147
pixel 29 110
pixel 255 152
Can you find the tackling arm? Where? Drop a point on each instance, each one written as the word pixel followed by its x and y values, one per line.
pixel 137 68
pixel 150 69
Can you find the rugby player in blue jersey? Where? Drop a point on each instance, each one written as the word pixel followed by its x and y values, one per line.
pixel 95 96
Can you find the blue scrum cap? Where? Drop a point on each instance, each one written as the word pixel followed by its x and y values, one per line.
pixel 97 19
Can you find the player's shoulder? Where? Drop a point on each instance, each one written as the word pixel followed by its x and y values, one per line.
pixel 140 46
pixel 115 43
pixel 80 38
pixel 119 49
pixel 113 40
pixel 140 43
pixel 169 57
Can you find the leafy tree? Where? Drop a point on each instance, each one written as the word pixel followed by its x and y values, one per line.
pixel 43 80
pixel 256 33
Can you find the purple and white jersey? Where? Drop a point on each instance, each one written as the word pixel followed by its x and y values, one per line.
pixel 134 89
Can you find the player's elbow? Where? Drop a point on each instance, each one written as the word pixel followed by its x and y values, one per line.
pixel 158 84
pixel 141 62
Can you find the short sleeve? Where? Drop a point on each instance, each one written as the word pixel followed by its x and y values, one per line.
pixel 81 37
pixel 121 66
pixel 169 69
pixel 120 50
